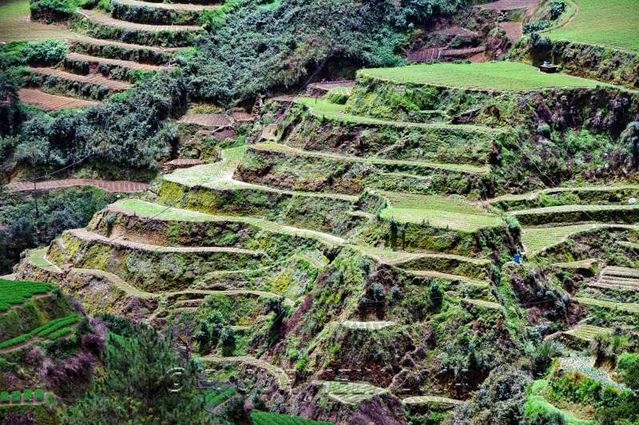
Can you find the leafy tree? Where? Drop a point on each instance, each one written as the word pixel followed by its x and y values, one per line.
pixel 138 383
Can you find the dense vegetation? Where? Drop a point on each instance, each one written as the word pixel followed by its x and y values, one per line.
pixel 265 47
pixel 135 386
pixel 28 221
pixel 16 292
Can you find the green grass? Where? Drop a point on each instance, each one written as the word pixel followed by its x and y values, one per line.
pixel 538 238
pixel 438 211
pixel 16 26
pixel 38 259
pixel 16 292
pixel 267 418
pixel 504 76
pixel 160 212
pixel 332 111
pixel 537 406
pixel 609 23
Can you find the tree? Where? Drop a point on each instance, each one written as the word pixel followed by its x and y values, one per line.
pixel 143 383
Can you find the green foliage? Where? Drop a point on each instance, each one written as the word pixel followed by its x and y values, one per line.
pixel 266 418
pixel 123 134
pixel 53 10
pixel 628 368
pixel 255 48
pixel 499 400
pixel 16 292
pixel 136 385
pixel 26 227
pixel 39 394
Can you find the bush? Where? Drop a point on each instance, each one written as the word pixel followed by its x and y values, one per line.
pixel 257 48
pixel 628 369
pixel 535 26
pixel 53 10
pixel 39 394
pixel 556 9
pixel 47 52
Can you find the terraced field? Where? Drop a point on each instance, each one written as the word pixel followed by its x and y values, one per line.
pixel 317 227
pixel 16 25
pixel 594 21
pixel 506 76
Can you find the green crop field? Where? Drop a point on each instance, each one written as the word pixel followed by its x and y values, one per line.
pixel 15 24
pixel 611 23
pixel 265 418
pixel 51 330
pixel 438 211
pixel 16 292
pixel 537 238
pixel 505 76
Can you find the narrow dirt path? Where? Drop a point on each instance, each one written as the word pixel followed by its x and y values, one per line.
pixel 115 186
pixel 51 102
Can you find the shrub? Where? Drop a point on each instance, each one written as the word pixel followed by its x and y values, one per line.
pixel 53 10
pixel 27 395
pixel 556 9
pixel 4 397
pixel 47 52
pixel 16 396
pixel 628 369
pixel 39 394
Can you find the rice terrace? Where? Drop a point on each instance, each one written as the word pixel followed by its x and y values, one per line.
pixel 334 212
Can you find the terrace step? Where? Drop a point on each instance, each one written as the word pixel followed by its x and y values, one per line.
pixel 91 86
pixel 351 393
pixel 472 268
pixel 168 6
pixel 157 212
pixel 113 68
pixel 539 238
pixel 278 373
pixel 52 102
pixel 579 213
pixel 206 120
pixel 125 51
pixel 113 186
pixel 505 5
pixel 158 13
pixel 616 195
pixel 420 167
pixel 458 286
pixel 88 236
pixel 621 272
pixel 38 257
pixel 482 304
pixel 629 245
pixel 104 19
pixel 100 25
pixel 587 332
pixel 116 281
pixel 432 401
pixel 630 308
pixel 366 326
